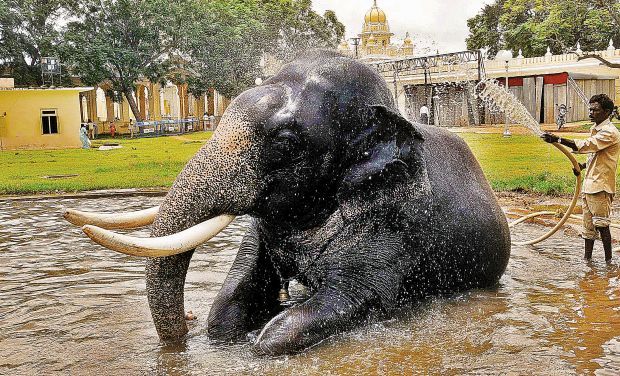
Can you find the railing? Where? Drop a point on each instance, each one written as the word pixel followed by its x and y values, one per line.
pixel 172 126
pixel 569 57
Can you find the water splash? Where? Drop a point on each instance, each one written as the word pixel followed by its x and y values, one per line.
pixel 499 99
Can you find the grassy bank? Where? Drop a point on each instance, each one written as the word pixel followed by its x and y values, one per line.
pixel 148 162
pixel 522 163
pixel 519 163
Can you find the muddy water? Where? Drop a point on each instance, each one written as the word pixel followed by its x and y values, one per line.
pixel 68 306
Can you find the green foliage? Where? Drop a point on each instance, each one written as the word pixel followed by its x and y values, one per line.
pixel 224 40
pixel 484 28
pixel 534 25
pixel 300 28
pixel 118 42
pixel 28 31
pixel 208 44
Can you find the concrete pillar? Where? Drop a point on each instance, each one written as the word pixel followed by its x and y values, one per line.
pixel 211 101
pixel 125 110
pixel 141 94
pixel 80 96
pixel 191 104
pixel 154 102
pixel 200 106
pixel 92 104
pixel 181 99
pixel 184 101
pixel 109 106
pixel 225 103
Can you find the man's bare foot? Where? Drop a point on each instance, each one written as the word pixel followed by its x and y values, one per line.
pixel 190 316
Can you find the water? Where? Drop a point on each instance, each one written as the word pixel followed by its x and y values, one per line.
pixel 498 99
pixel 68 306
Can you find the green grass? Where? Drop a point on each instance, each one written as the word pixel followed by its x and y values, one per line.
pixel 521 163
pixel 140 163
pixel 585 126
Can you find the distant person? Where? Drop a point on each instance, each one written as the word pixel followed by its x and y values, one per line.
pixel 112 128
pixel 599 183
pixel 424 114
pixel 205 119
pixel 95 130
pixel 89 127
pixel 84 136
pixel 212 122
pixel 131 128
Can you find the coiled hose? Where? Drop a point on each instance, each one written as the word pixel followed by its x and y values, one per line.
pixel 568 214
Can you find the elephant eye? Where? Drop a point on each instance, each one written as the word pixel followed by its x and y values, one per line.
pixel 286 148
pixel 286 142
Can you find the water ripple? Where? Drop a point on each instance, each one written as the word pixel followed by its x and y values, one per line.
pixel 68 306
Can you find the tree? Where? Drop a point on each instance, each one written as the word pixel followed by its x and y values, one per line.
pixel 300 28
pixel 484 28
pixel 206 44
pixel 119 42
pixel 28 31
pixel 534 25
pixel 225 43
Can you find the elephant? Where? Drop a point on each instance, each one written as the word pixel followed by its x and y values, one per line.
pixel 364 208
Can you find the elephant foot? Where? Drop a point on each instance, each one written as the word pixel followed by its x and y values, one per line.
pixel 189 316
pixel 287 333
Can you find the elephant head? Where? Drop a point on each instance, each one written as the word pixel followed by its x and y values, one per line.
pixel 307 149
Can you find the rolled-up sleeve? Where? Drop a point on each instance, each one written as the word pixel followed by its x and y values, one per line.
pixel 599 141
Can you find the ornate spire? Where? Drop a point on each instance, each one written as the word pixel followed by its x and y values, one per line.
pixel 578 50
pixel 611 45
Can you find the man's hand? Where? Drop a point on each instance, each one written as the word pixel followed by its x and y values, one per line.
pixel 549 137
pixel 582 166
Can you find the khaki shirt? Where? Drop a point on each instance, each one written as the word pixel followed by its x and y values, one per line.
pixel 603 145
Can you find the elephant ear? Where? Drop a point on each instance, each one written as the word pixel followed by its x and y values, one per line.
pixel 388 148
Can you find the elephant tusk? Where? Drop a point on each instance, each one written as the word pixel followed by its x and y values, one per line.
pixel 163 246
pixel 112 220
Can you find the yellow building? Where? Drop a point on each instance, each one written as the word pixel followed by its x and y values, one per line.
pixel 42 118
pixel 375 40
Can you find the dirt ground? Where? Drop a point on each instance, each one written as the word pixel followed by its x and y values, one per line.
pixel 516 205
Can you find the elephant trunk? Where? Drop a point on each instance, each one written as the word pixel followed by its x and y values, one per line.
pixel 165 279
pixel 218 180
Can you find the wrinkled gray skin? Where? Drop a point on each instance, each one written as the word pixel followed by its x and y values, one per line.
pixel 364 208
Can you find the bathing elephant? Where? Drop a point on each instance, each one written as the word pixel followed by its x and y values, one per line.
pixel 364 208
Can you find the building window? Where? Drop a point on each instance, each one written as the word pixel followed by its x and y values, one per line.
pixel 49 121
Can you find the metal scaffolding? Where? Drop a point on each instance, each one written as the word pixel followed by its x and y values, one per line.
pixel 426 66
pixel 423 64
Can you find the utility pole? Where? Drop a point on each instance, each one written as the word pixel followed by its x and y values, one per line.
pixel 356 43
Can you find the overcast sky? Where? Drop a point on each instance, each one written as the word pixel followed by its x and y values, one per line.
pixel 433 24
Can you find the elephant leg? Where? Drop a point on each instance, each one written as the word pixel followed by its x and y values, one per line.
pixel 344 300
pixel 248 297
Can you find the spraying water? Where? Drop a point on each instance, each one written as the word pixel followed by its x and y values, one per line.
pixel 498 98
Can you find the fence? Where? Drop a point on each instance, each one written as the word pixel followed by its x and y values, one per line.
pixel 173 126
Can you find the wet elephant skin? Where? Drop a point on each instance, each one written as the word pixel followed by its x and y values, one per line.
pixel 364 208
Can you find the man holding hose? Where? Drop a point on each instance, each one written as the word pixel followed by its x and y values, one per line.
pixel 599 184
